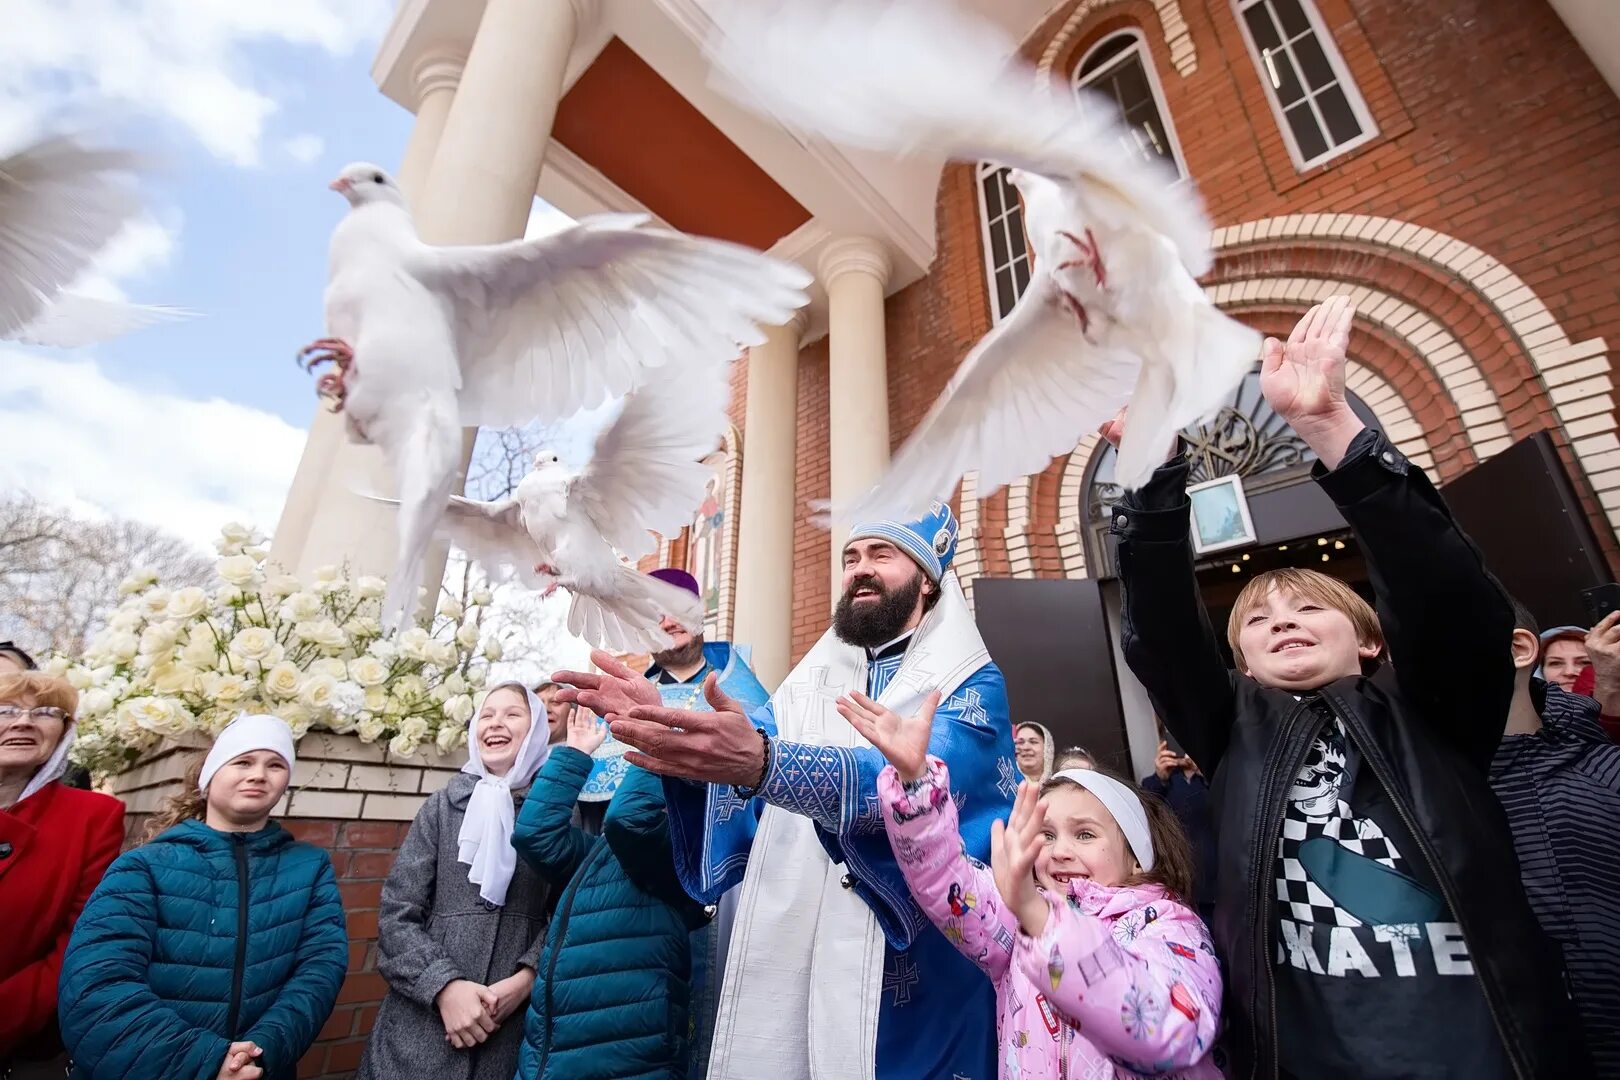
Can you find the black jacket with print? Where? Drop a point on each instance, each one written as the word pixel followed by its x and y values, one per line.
pixel 1427 726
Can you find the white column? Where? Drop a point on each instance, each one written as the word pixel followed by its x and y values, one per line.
pixel 854 270
pixel 764 593
pixel 327 450
pixel 479 189
pixel 1593 25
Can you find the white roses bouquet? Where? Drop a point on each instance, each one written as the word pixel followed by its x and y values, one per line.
pixel 170 663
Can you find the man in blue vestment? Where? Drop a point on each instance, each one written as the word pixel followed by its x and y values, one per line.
pixel 833 972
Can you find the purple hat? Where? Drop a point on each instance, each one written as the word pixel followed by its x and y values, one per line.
pixel 678 578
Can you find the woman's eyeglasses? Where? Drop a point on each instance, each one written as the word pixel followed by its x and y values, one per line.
pixel 9 713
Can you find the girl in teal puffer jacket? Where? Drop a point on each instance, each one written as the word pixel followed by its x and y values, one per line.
pixel 215 950
pixel 612 994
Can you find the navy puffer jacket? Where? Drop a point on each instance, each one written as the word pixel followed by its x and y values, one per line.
pixel 198 939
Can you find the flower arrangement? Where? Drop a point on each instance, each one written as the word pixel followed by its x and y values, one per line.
pixel 174 662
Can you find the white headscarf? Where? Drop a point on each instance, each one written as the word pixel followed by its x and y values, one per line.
pixel 247 733
pixel 1124 803
pixel 54 766
pixel 485 841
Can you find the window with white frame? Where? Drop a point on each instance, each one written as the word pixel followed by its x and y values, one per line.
pixel 1315 100
pixel 1120 67
pixel 1006 250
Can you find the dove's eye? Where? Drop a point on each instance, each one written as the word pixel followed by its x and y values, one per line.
pixel 378 178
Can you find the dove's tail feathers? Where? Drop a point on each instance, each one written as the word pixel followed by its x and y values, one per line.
pixel 627 618
pixel 425 463
pixel 73 320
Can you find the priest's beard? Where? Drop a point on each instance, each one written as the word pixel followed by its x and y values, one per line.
pixel 878 622
pixel 684 656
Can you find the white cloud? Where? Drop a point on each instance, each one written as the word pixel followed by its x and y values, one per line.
pixel 143 246
pixel 304 148
pixel 180 59
pixel 76 437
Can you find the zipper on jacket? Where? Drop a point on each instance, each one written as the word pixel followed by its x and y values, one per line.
pixel 559 919
pixel 239 844
pixel 1285 765
pixel 1371 754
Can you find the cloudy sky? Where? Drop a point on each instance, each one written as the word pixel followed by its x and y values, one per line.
pixel 250 108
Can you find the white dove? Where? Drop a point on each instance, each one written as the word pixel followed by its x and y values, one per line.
pixel 60 204
pixel 1112 313
pixel 429 340
pixel 645 476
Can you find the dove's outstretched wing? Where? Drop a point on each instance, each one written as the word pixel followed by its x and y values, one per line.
pixel 647 474
pixel 560 323
pixel 72 320
pixel 491 533
pixel 923 76
pixel 60 203
pixel 1026 393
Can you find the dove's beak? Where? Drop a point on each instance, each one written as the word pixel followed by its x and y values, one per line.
pixel 340 184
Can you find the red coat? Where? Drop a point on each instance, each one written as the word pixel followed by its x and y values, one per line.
pixel 61 842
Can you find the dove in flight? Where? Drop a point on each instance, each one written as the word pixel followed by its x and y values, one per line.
pixel 61 203
pixel 559 528
pixel 1113 313
pixel 429 340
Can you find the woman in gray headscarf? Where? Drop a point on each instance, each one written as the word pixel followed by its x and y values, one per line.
pixel 462 919
pixel 1034 749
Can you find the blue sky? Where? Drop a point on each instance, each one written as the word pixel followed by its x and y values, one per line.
pixel 251 109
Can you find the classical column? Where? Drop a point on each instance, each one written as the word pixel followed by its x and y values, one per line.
pixel 854 271
pixel 327 450
pixel 479 189
pixel 764 593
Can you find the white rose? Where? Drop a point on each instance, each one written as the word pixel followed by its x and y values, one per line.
pixel 122 647
pixel 282 585
pixel 296 717
pixel 384 650
pixel 79 678
pixel 283 680
pixel 138 581
pixel 439 695
pixel 454 683
pixel 174 678
pixel 321 632
pixel 125 619
pixel 301 607
pixel 331 667
pixel 224 689
pixel 402 746
pixel 368 671
pixel 160 716
pixel 414 644
pixel 117 686
pixel 329 572
pixel 155 604
pixel 414 728
pixel 483 598
pixel 234 536
pixel 408 687
pixel 467 636
pixel 443 653
pixel 238 570
pixel 449 738
pixel 493 651
pixel 368 587
pixel 254 643
pixel 362 628
pixel 370 728
pixel 160 638
pixel 450 607
pixel 188 603
pixel 376 699
pixel 316 693
pixel 94 703
pixel 348 699
pixel 256 552
pixel 229 596
pixel 459 708
pixel 200 650
pixel 476 677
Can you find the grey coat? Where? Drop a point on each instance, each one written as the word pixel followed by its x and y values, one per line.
pixel 433 927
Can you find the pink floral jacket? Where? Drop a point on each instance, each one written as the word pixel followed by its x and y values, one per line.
pixel 1123 982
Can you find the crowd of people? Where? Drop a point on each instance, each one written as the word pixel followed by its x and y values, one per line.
pixel 1382 843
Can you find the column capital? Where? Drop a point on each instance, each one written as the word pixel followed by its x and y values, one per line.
pixel 437 70
pixel 854 255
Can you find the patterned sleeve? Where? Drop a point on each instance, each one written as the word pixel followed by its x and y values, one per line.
pixel 1146 991
pixel 711 828
pixel 836 787
pixel 956 892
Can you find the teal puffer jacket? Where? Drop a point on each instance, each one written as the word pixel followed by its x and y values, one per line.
pixel 197 939
pixel 612 992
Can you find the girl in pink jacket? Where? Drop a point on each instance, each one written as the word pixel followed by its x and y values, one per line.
pixel 1101 968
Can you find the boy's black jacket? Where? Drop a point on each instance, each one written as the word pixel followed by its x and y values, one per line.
pixel 1427 724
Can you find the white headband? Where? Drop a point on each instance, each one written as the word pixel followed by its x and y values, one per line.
pixel 248 732
pixel 1124 803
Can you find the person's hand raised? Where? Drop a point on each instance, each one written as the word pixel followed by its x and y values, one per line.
pixel 902 740
pixel 585 731
pixel 1013 848
pixel 614 691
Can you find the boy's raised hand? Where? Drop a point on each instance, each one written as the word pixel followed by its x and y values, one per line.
pixel 1013 848
pixel 1303 378
pixel 903 740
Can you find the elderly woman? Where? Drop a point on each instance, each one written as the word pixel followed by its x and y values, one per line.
pixel 55 843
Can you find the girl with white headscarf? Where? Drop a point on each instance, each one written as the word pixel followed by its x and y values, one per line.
pixel 462 920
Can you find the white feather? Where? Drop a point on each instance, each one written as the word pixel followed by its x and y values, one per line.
pixel 922 76
pixel 73 320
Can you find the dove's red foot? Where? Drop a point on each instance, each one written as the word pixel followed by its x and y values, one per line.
pixel 1076 308
pixel 337 352
pixel 1090 256
pixel 545 594
pixel 545 568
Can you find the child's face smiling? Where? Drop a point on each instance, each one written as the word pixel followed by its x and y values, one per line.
pixel 1080 840
pixel 1295 643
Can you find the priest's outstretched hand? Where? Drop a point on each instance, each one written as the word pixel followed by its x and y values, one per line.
pixel 616 690
pixel 719 747
pixel 903 740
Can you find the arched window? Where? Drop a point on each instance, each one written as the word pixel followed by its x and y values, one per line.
pixel 1120 67
pixel 1312 95
pixel 1006 251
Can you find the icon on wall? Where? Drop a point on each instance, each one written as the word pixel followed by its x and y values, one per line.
pixel 1220 515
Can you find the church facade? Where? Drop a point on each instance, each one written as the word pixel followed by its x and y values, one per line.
pixel 1455 167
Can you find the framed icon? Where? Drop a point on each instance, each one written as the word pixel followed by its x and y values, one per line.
pixel 1220 515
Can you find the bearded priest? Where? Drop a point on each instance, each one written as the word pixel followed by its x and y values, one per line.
pixel 833 972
